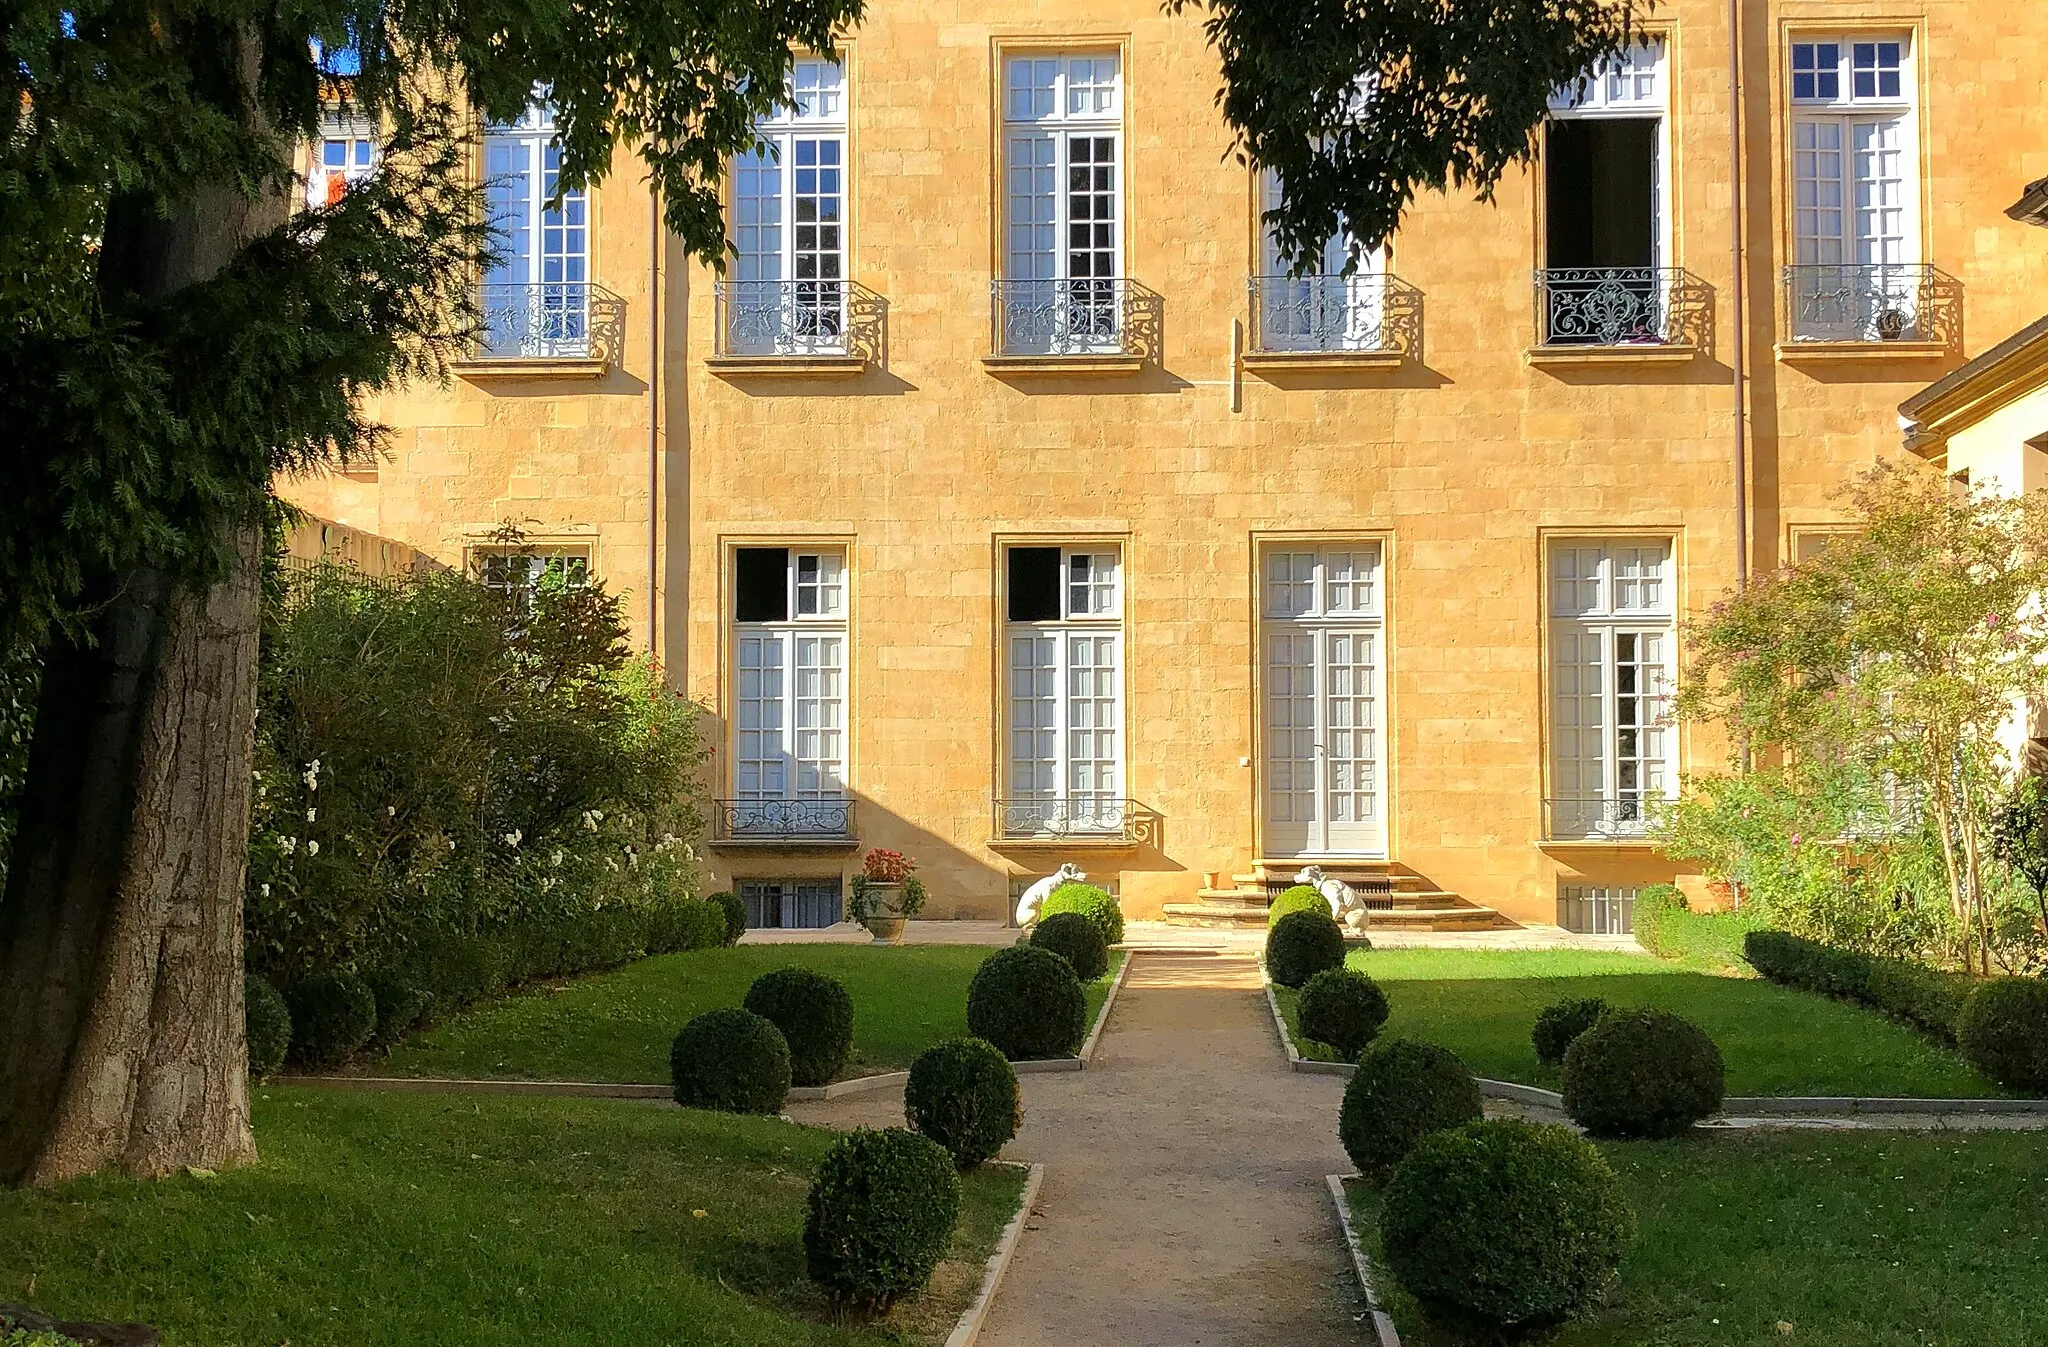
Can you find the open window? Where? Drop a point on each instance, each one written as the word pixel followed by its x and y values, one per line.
pixel 1063 662
pixel 788 707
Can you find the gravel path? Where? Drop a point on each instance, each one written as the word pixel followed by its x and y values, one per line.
pixel 1184 1201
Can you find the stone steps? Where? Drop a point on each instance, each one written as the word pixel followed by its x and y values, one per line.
pixel 1398 898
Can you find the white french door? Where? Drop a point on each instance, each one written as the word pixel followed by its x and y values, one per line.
pixel 1066 767
pixel 790 716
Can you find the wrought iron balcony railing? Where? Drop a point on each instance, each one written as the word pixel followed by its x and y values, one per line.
pixel 823 820
pixel 1112 315
pixel 550 320
pixel 1086 817
pixel 1329 314
pixel 1623 306
pixel 1594 818
pixel 1874 302
pixel 800 318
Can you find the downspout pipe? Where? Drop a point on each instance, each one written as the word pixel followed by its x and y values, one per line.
pixel 1738 295
pixel 654 360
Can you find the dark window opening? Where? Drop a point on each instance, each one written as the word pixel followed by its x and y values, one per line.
pixel 761 584
pixel 787 904
pixel 1600 193
pixel 1034 584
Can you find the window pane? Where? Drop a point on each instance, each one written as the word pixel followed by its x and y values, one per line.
pixel 761 592
pixel 1034 584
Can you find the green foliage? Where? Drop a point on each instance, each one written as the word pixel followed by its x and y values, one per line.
pixel 1091 902
pixel 1302 944
pixel 401 1004
pixel 1502 1228
pixel 1300 898
pixel 333 1015
pixel 815 1016
pixel 731 1060
pixel 1642 1073
pixel 1075 938
pixel 2003 1030
pixel 267 1025
pixel 1402 1092
pixel 1929 999
pixel 880 1216
pixel 734 910
pixel 1560 1025
pixel 34 1337
pixel 20 675
pixel 1028 1003
pixel 963 1094
pixel 1343 1008
pixel 1666 927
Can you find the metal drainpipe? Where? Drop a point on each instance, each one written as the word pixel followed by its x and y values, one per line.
pixel 1735 159
pixel 654 241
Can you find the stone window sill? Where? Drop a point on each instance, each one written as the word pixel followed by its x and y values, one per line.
pixel 1030 366
pixel 1646 353
pixel 787 366
pixel 1284 362
pixel 535 367
pixel 1836 352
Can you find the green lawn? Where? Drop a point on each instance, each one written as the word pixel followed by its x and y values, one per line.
pixel 618 1026
pixel 424 1219
pixel 1855 1240
pixel 1776 1040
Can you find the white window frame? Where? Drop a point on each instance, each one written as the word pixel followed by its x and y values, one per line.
pixel 347 152
pixel 799 666
pixel 537 295
pixel 788 218
pixel 1064 684
pixel 576 562
pixel 1597 909
pixel 1061 112
pixel 1635 86
pixel 1321 310
pixel 1613 747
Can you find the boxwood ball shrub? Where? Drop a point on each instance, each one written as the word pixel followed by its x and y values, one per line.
pixel 401 1004
pixel 731 1060
pixel 1301 945
pixel 1300 898
pixel 1402 1092
pixel 1561 1023
pixel 1642 1073
pixel 815 1016
pixel 879 1216
pixel 2003 1031
pixel 1343 1008
pixel 1076 939
pixel 267 1024
pixel 1092 903
pixel 1499 1228
pixel 1028 1003
pixel 963 1094
pixel 333 1014
pixel 734 909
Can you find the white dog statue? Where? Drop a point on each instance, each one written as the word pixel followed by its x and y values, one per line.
pixel 1345 904
pixel 1035 896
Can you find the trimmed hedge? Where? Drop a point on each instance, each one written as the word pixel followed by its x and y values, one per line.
pixel 1028 1003
pixel 1560 1024
pixel 731 1060
pixel 333 1015
pixel 734 909
pixel 266 1024
pixel 1301 945
pixel 1668 928
pixel 1402 1092
pixel 880 1216
pixel 1343 1008
pixel 815 1016
pixel 963 1094
pixel 1075 938
pixel 1504 1227
pixel 2003 1031
pixel 1929 999
pixel 1300 898
pixel 1092 903
pixel 1642 1073
pixel 401 1004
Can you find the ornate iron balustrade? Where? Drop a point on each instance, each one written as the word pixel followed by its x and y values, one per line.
pixel 550 320
pixel 782 820
pixel 1335 313
pixel 1590 818
pixel 1623 306
pixel 1874 302
pixel 1106 316
pixel 800 318
pixel 1096 818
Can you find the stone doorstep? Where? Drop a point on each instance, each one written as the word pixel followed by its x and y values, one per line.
pixel 1382 1323
pixel 968 1329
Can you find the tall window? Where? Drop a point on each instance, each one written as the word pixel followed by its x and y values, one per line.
pixel 1612 610
pixel 1321 309
pixel 1855 190
pixel 536 298
pixel 1062 190
pixel 1064 642
pixel 345 154
pixel 789 223
pixel 789 690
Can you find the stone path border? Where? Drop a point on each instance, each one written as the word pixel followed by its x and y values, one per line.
pixel 1361 1263
pixel 968 1329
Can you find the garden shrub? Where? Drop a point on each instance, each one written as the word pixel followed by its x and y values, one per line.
pixel 333 1015
pixel 880 1216
pixel 20 680
pixel 963 1094
pixel 1092 903
pixel 1642 1073
pixel 731 1060
pixel 2003 1031
pixel 459 969
pixel 401 1004
pixel 1560 1024
pixel 815 1016
pixel 1076 939
pixel 1668 928
pixel 1028 1003
pixel 1403 1091
pixel 1929 999
pixel 1300 898
pixel 1343 1008
pixel 1301 945
pixel 734 909
pixel 267 1024
pixel 1499 1228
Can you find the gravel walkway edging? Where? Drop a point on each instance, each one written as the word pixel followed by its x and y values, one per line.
pixel 975 1315
pixel 1382 1324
